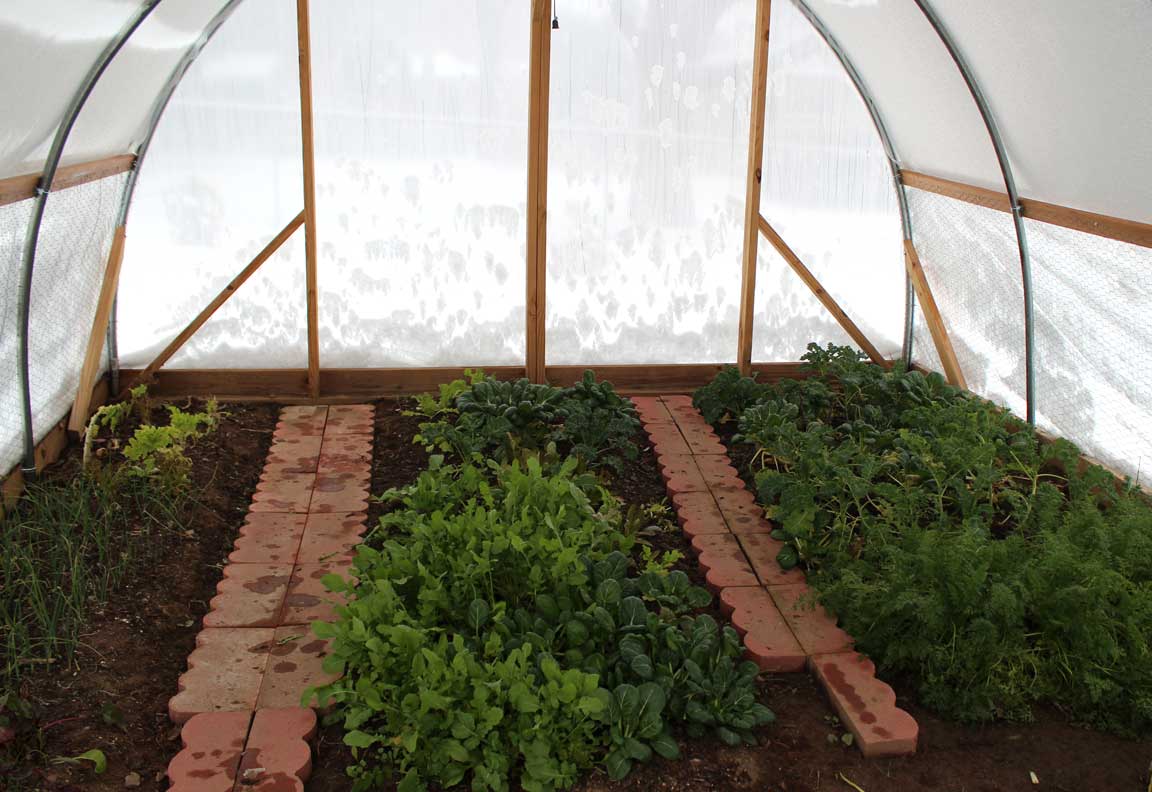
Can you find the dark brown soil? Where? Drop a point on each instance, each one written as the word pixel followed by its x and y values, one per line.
pixel 802 751
pixel 136 647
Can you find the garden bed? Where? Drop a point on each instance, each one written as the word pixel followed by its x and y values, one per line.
pixel 115 698
pixel 803 751
pixel 136 647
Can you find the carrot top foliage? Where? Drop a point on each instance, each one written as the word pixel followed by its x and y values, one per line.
pixel 991 569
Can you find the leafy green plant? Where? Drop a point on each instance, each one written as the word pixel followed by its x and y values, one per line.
pixel 992 570
pixel 444 402
pixel 496 632
pixel 599 424
pixel 728 395
pixel 501 420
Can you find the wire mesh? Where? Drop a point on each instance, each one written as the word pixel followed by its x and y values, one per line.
pixel 1094 344
pixel 13 222
pixel 75 237
pixel 972 263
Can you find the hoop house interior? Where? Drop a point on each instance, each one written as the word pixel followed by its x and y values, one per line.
pixel 484 190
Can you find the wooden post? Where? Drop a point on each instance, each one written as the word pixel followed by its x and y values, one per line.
pixel 932 316
pixel 219 300
pixel 306 136
pixel 79 418
pixel 823 296
pixel 755 178
pixel 537 207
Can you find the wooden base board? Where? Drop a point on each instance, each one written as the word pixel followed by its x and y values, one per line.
pixel 342 385
pixel 48 450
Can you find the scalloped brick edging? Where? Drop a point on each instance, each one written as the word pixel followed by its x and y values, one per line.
pixel 244 727
pixel 782 627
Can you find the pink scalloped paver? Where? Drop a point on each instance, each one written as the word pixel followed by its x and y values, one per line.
pixel 301 421
pixel 762 550
pixel 651 410
pixel 746 519
pixel 295 663
pixel 298 454
pixel 277 757
pixel 702 440
pixel 816 631
pixel 224 672
pixel 331 537
pixel 283 492
pixel 779 633
pixel 349 419
pixel 698 514
pixel 717 470
pixel 249 595
pixel 866 705
pixel 723 561
pixel 268 538
pixel 213 743
pixel 340 492
pixel 736 499
pixel 308 600
pixel 680 474
pixel 666 439
pixel 767 638
pixel 345 453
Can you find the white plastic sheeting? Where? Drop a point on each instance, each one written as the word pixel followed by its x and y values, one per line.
pixel 648 154
pixel 46 48
pixel 421 114
pixel 75 31
pixel 1070 84
pixel 221 179
pixel 828 192
pixel 421 171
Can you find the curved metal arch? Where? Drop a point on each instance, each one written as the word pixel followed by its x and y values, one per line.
pixel 889 150
pixel 43 188
pixel 163 97
pixel 1013 197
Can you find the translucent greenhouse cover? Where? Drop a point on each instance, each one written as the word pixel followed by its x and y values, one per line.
pixel 421 114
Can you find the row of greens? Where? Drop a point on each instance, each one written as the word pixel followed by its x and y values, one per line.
pixel 70 540
pixel 992 570
pixel 500 626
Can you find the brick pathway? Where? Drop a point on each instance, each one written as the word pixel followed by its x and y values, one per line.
pixel 783 628
pixel 240 701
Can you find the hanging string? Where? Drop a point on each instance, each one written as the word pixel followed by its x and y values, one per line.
pixel 555 18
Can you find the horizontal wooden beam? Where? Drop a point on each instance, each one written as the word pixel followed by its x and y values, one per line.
pixel 21 188
pixel 343 385
pixel 1077 219
pixel 291 385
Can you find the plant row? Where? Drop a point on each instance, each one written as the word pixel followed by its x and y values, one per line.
pixel 993 570
pixel 499 628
